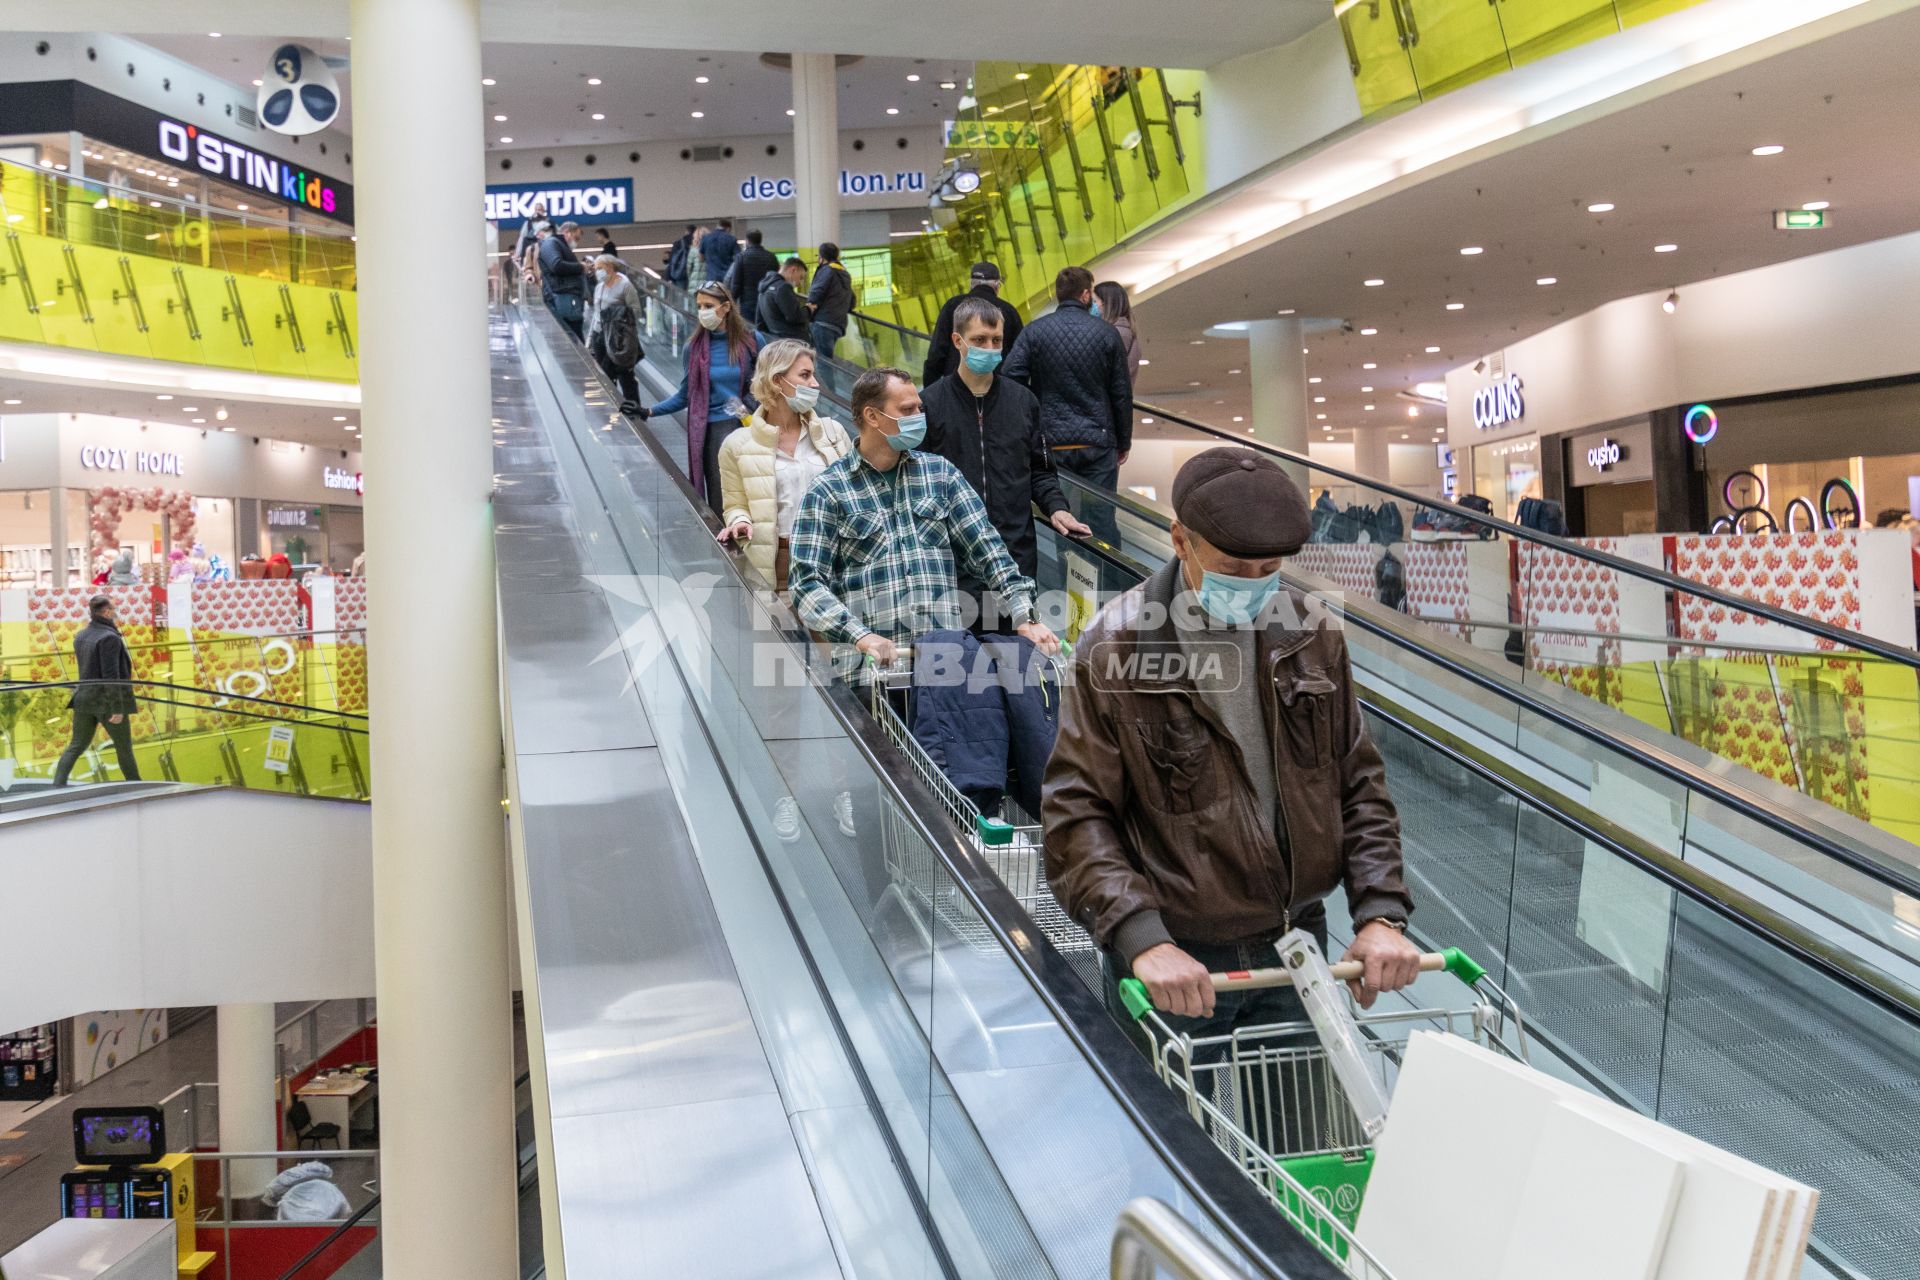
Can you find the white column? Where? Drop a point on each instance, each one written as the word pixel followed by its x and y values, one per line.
pixel 816 150
pixel 1370 453
pixel 57 531
pixel 243 1035
pixel 1279 372
pixel 439 862
pixel 76 154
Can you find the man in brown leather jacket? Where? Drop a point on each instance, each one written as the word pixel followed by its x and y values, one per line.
pixel 1213 780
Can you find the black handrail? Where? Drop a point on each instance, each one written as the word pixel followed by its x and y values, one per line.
pixel 1673 582
pixel 34 686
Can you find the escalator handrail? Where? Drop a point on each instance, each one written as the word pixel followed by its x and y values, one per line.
pixel 307 714
pixel 1665 763
pixel 1673 582
pixel 1215 1185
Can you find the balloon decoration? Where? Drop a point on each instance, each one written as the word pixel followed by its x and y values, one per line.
pixel 113 502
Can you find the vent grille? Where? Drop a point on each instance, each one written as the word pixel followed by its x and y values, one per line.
pixel 708 153
pixel 246 115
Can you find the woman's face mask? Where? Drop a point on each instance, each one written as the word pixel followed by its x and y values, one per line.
pixel 711 319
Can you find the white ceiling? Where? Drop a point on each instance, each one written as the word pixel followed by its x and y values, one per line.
pixel 305 424
pixel 1679 170
pixel 1195 33
pixel 645 94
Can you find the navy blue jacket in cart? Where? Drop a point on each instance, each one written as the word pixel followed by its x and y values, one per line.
pixel 985 711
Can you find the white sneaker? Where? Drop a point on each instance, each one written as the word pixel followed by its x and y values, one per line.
pixel 786 819
pixel 843 813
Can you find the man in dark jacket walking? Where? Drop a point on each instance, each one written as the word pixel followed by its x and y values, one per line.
pixel 1214 780
pixel 782 312
pixel 830 300
pixel 942 357
pixel 1077 364
pixel 989 427
pixel 104 697
pixel 743 280
pixel 563 281
pixel 677 257
pixel 718 249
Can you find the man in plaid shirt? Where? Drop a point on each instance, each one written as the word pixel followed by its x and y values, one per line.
pixel 873 548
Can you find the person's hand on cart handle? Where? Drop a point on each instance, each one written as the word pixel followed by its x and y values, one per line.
pixel 877 647
pixel 1177 982
pixel 1388 962
pixel 1042 636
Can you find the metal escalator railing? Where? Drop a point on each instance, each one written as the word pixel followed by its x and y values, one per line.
pixel 1704 1005
pixel 189 735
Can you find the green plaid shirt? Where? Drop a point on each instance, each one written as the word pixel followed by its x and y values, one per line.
pixel 875 550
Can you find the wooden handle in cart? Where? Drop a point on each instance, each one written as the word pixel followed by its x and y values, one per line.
pixel 1133 992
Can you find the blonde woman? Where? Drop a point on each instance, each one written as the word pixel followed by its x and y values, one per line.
pixel 766 469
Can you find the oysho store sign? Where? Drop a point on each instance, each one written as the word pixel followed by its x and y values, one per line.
pixel 511 203
pixel 150 462
pixel 231 162
pixel 1499 404
pixel 878 183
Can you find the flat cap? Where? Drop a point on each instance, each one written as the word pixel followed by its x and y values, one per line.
pixel 1242 503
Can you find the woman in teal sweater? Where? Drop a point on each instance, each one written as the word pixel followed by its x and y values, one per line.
pixel 719 373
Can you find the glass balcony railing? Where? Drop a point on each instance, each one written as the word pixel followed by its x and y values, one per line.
pixel 184 734
pixel 103 269
pixel 1405 51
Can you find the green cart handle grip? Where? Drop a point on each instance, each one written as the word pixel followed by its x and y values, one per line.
pixel 993 832
pixel 1133 992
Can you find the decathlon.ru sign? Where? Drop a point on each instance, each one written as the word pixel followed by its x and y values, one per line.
pixel 1499 404
pixel 281 179
pixel 878 183
pixel 511 203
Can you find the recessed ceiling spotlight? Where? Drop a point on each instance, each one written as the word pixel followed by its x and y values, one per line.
pixel 1145 361
pixel 163 397
pixel 1368 333
pixel 488 81
pixel 505 141
pixel 1814 206
pixel 893 111
pixel 599 115
pixel 499 119
pixel 339 417
pixel 1020 75
pixel 698 115
pixel 1367 407
pixel 913 77
pixel 213 35
pixel 189 408
pixel 1196 342
pixel 593 79
pixel 1433 351
pixel 702 79
pixel 1665 248
pixel 348 427
pixel 1374 283
pixel 1231 373
pixel 1369 365
pixel 1548 280
pixel 1236 417
pixel 1771 149
pixel 1671 303
pixel 1322 415
pixel 1366 391
pixel 11 402
pixel 948 84
pixel 242 208
pixel 1147 421
pixel 258 83
pixel 1319 399
pixel 1471 250
pixel 1456 306
pixel 1194 383
pixel 199 422
pixel 1284 311
pixel 229 428
pixel 789 110
pixel 1313 379
pixel 1602 207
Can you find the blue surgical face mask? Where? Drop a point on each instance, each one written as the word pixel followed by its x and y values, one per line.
pixel 1095 308
pixel 1236 601
pixel 912 430
pixel 982 360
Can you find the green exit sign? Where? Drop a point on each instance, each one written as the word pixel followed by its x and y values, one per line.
pixel 1800 219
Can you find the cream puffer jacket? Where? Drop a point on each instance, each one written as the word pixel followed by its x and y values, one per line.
pixel 748 490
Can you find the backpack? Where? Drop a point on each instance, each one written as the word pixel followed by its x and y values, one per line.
pixel 622 336
pixel 1390 581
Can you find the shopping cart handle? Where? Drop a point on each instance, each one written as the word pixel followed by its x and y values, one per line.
pixel 1133 992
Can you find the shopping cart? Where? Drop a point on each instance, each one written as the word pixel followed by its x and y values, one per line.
pixel 1009 841
pixel 1273 1098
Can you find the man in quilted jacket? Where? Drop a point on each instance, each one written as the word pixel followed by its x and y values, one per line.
pixel 1076 364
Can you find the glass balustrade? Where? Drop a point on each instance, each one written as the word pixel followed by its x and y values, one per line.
pixel 1404 52
pixel 103 269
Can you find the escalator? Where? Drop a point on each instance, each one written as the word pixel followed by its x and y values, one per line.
pixel 1681 946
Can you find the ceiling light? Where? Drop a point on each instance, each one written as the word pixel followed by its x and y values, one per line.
pixel 1373 284
pixel 1319 399
pixel 1471 250
pixel 220 415
pixel 696 80
pixel 488 82
pixel 1322 415
pixel 913 77
pixel 893 111
pixel 1020 75
pixel 214 35
pixel 339 418
pixel 242 208
pixel 1369 365
pixel 1413 411
pixel 789 110
pixel 199 422
pixel 1313 379
pixel 163 397
pixel 257 84
pixel 1196 342
pixel 1405 436
pixel 12 402
pixel 1366 391
pixel 699 115
pixel 1193 384
pixel 1548 280
pixel 1231 373
pixel 1665 248
pixel 1284 311
pixel 1672 302
pixel 1456 306
pixel 593 80
pixel 348 427
pixel 1367 407
pixel 1813 206
pixel 1771 149
pixel 1602 207
pixel 1146 362
pixel 1433 351
pixel 1147 421
pixel 499 119
pixel 189 408
pixel 1236 417
pixel 948 84
pixel 229 428
pixel 599 115
pixel 1368 333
